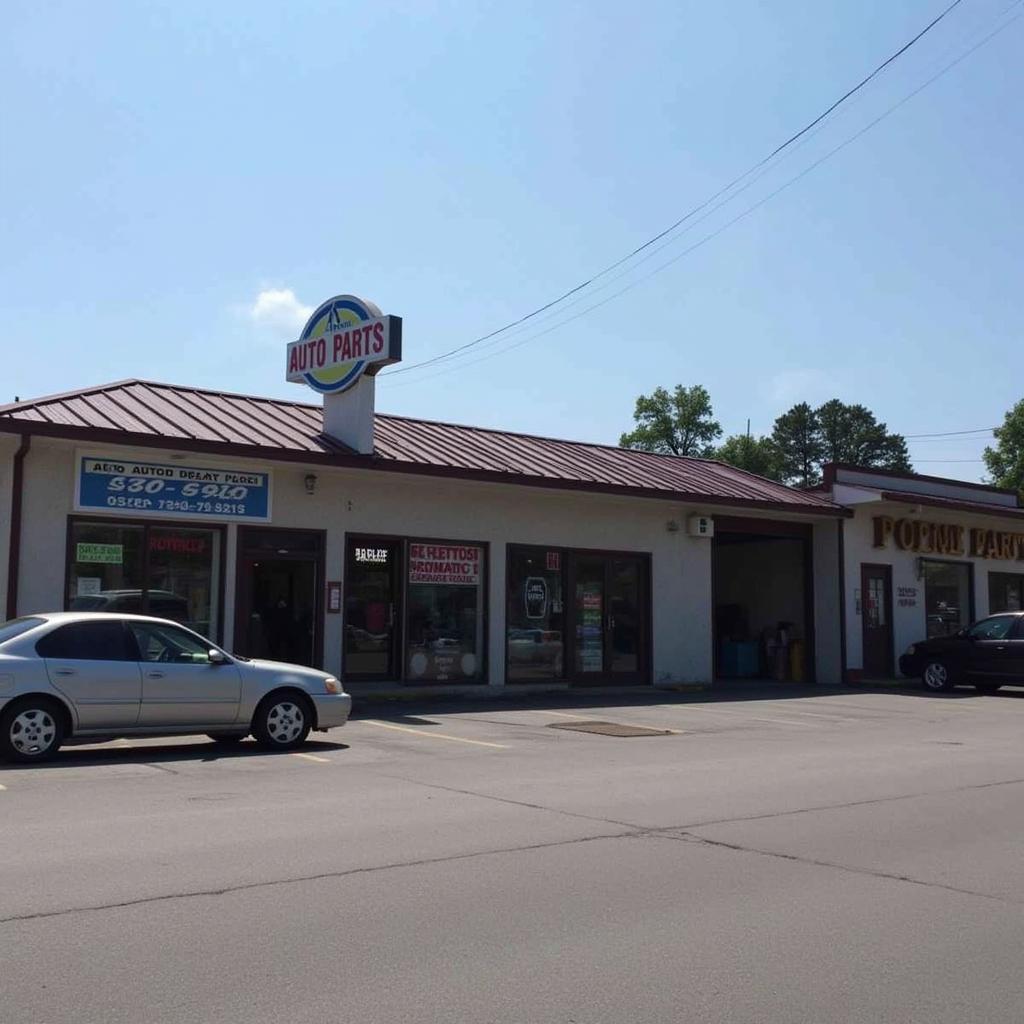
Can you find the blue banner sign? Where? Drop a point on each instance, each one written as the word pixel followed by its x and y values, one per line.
pixel 137 488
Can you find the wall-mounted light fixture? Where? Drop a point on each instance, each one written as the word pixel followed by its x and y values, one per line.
pixel 310 482
pixel 672 526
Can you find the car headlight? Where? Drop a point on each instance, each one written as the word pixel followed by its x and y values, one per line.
pixel 911 649
pixel 331 685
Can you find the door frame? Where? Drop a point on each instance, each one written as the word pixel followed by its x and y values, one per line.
pixel 398 626
pixel 876 568
pixel 642 676
pixel 243 591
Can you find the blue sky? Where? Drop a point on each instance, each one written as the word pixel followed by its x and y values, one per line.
pixel 181 180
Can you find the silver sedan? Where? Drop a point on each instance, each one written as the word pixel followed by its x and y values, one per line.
pixel 96 676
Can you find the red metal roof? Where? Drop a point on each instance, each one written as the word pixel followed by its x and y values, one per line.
pixel 169 416
pixel 986 508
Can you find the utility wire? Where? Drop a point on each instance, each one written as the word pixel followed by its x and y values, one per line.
pixel 729 223
pixel 938 434
pixel 707 238
pixel 672 227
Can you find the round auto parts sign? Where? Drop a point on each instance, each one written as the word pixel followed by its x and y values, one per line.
pixel 345 338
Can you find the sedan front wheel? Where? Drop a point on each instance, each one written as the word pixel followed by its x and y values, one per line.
pixel 282 722
pixel 937 676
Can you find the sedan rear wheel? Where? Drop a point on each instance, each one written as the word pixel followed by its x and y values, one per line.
pixel 282 722
pixel 937 676
pixel 31 730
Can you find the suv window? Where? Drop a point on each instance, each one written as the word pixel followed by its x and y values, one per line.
pixel 87 641
pixel 995 628
pixel 158 642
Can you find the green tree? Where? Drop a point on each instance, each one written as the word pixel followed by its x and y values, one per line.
pixel 796 437
pixel 806 439
pixel 680 423
pixel 851 434
pixel 754 454
pixel 1005 461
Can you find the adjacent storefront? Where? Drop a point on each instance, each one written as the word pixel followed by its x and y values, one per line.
pixel 924 557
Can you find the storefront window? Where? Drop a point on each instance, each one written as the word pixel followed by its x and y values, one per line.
pixel 535 614
pixel 183 570
pixel 444 613
pixel 170 572
pixel 1005 592
pixel 947 596
pixel 372 600
pixel 106 571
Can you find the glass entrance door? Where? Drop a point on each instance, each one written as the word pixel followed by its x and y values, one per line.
pixel 279 607
pixel 610 618
pixel 372 592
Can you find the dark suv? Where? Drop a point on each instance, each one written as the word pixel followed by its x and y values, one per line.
pixel 987 655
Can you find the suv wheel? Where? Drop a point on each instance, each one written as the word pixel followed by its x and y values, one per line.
pixel 936 676
pixel 31 730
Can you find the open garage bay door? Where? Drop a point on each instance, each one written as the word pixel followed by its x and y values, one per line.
pixel 763 611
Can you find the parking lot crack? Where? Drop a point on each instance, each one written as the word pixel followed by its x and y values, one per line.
pixel 631 825
pixel 228 890
pixel 692 837
pixel 846 805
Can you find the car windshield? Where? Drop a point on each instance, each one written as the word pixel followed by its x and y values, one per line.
pixel 15 627
pixel 995 628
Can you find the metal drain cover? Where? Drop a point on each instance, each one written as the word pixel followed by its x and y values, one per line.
pixel 610 729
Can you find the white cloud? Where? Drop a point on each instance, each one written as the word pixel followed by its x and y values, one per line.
pixel 280 311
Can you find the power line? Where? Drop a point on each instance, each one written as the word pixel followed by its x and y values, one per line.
pixel 939 434
pixel 672 227
pixel 707 238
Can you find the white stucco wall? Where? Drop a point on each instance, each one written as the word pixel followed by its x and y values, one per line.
pixel 360 501
pixel 909 621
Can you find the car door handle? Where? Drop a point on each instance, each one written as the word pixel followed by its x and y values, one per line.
pixel 154 675
pixel 63 671
pixel 1001 647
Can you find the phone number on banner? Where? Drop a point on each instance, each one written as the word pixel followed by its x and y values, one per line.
pixel 173 490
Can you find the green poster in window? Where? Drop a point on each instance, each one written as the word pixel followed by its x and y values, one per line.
pixel 106 554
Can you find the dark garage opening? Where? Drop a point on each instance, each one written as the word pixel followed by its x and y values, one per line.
pixel 763 626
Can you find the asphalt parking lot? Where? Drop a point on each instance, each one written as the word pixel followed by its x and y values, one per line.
pixel 754 854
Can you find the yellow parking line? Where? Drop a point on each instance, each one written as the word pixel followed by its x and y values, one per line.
pixel 434 735
pixel 565 714
pixel 313 757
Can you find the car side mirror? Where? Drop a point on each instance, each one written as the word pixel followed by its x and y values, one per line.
pixel 216 657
